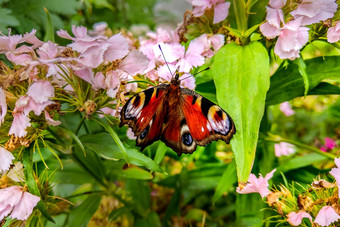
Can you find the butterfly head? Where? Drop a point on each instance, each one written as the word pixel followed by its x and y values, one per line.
pixel 176 81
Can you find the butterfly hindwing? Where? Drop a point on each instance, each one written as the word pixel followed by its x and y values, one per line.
pixel 144 114
pixel 206 121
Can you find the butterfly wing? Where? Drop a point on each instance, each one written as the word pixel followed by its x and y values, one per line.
pixel 196 121
pixel 144 114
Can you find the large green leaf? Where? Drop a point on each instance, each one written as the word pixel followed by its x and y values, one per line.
pixel 287 83
pixel 241 75
pixel 82 214
pixel 104 145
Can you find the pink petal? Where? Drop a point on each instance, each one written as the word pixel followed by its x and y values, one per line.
pixel 130 134
pixel 202 3
pixel 134 63
pixel 259 185
pixel 32 39
pixel 284 149
pixel 286 109
pixel 117 49
pixel 333 33
pixel 48 50
pixel 274 17
pixel 4 211
pixel 296 218
pixel 217 41
pixel 164 73
pixel 326 216
pixel 335 172
pixel 94 55
pixel 9 43
pixel 337 162
pixel 3 106
pixel 188 81
pixel 315 11
pixel 16 173
pixel 25 207
pixel 131 86
pixel 51 121
pixel 99 28
pixel 19 59
pixel 171 52
pixel 19 125
pixel 269 30
pixel 98 82
pixel 112 82
pixel 10 196
pixel 85 74
pixel 221 12
pixel 79 31
pixel 276 4
pixel 329 143
pixel 41 91
pixel 64 34
pixel 6 159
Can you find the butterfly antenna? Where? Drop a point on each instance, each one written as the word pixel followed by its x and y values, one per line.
pixel 165 60
pixel 195 74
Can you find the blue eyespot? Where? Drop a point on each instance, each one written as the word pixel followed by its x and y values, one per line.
pixel 144 133
pixel 187 139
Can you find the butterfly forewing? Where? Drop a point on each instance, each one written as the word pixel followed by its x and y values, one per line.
pixel 144 114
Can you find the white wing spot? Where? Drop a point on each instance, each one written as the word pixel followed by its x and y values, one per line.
pixel 202 129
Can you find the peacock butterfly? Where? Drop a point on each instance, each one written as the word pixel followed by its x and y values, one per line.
pixel 179 117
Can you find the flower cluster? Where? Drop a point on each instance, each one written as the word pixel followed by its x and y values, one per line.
pixel 293 35
pixel 322 194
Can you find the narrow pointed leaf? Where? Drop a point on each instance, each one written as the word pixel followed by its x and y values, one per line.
pixel 241 76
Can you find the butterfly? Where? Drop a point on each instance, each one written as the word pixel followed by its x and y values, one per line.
pixel 179 117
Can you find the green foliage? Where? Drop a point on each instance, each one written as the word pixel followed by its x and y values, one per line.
pixel 241 76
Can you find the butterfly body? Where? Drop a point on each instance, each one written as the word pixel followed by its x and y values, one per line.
pixel 179 117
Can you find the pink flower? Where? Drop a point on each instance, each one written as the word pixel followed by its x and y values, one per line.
pixel 335 172
pixel 17 203
pixel 221 8
pixel 291 39
pixel 296 218
pixel 112 82
pixel 326 216
pixel 259 185
pixel 3 106
pixel 6 159
pixel 329 144
pixel 284 149
pixel 192 56
pixel 314 11
pixel 41 91
pixel 276 4
pixel 333 33
pixel 95 50
pixel 19 125
pixel 188 81
pixel 286 109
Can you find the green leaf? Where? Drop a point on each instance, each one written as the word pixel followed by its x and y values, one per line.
pixel 27 159
pixel 301 161
pixel 140 192
pixel 49 28
pixel 104 145
pixel 324 88
pixel 287 83
pixel 302 70
pixel 115 214
pixel 7 19
pixel 228 178
pixel 160 153
pixel 241 76
pixel 82 214
pixel 64 7
pixel 114 136
pixel 136 173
